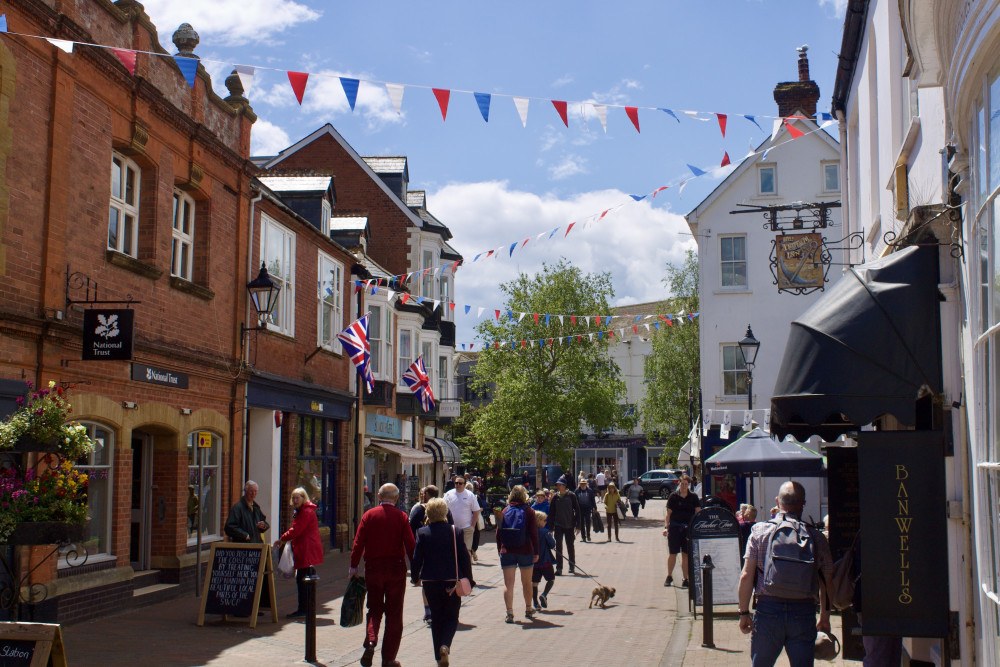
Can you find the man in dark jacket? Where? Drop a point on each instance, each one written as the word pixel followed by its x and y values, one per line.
pixel 588 503
pixel 246 521
pixel 564 519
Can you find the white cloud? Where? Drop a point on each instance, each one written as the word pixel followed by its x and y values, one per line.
pixel 634 243
pixel 839 6
pixel 564 80
pixel 231 22
pixel 571 165
pixel 267 138
pixel 325 97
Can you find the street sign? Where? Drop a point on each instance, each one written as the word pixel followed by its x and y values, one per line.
pixel 449 408
pixel 204 439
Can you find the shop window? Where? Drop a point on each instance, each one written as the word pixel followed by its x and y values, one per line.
pixel 182 241
pixel 734 371
pixel 203 491
pixel 123 213
pixel 278 250
pixel 767 180
pixel 315 466
pixel 97 467
pixel 330 316
pixel 733 262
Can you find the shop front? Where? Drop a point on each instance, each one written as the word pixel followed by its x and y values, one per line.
pixel 390 458
pixel 446 458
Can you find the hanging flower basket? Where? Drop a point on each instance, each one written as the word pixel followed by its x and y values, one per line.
pixel 42 419
pixel 26 444
pixel 47 532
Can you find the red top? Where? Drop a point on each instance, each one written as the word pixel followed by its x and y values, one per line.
pixel 384 536
pixel 304 536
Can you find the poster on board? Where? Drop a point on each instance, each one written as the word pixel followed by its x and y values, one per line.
pixel 714 531
pixel 240 581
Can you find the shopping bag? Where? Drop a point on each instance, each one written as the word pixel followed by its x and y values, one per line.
pixel 622 510
pixel 286 564
pixel 481 522
pixel 598 524
pixel 352 609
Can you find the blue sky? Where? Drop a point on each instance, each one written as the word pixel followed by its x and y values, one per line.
pixel 498 182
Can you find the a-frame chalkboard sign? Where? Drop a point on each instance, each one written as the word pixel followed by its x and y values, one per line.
pixel 239 576
pixel 31 645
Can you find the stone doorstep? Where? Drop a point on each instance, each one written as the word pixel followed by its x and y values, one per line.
pixel 155 588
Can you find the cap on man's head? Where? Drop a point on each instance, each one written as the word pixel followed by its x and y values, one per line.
pixel 562 480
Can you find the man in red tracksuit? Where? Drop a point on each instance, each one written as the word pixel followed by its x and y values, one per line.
pixel 384 538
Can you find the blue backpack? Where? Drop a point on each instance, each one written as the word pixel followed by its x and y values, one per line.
pixel 513 530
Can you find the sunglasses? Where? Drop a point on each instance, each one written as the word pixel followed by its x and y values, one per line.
pixel 459 483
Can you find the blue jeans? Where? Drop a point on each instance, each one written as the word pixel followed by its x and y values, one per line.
pixel 783 625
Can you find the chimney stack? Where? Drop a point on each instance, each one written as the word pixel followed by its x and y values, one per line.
pixel 801 95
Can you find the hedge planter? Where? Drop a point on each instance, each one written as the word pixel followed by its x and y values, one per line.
pixel 47 532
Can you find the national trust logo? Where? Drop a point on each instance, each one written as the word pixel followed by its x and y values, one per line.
pixel 107 327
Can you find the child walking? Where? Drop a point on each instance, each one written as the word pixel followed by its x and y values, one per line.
pixel 544 567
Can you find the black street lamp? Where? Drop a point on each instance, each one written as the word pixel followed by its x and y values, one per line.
pixel 264 297
pixel 748 348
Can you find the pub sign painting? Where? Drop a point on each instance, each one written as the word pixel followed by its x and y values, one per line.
pixel 800 261
pixel 108 334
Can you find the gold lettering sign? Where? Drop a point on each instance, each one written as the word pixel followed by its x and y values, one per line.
pixel 903 523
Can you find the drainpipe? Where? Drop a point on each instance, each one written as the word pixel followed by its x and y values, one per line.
pixel 845 197
pixel 246 347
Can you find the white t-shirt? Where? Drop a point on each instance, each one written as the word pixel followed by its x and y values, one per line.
pixel 462 505
pixel 600 479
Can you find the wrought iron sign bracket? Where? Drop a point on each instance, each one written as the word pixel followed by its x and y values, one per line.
pixel 78 280
pixel 797 216
pixel 954 213
pixel 822 251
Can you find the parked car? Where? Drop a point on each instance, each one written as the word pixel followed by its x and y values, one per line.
pixel 655 483
pixel 552 473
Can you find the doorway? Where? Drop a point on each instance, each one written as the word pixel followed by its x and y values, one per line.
pixel 141 508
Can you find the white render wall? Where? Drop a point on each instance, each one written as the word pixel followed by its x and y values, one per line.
pixel 726 311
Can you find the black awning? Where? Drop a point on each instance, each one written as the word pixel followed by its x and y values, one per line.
pixel 870 346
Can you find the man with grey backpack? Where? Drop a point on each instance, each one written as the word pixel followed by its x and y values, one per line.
pixel 786 565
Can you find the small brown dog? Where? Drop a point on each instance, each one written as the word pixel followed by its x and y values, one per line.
pixel 601 595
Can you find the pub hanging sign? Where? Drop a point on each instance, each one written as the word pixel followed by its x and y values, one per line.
pixel 108 334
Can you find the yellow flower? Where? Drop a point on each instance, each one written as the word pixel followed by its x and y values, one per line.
pixel 52 384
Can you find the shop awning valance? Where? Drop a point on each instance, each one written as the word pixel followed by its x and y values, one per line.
pixel 406 453
pixel 869 347
pixel 444 451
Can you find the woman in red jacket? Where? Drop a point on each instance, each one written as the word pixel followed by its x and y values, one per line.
pixel 307 549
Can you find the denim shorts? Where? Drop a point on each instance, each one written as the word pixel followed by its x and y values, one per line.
pixel 516 560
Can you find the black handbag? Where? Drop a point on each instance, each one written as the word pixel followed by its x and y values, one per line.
pixel 352 609
pixel 598 523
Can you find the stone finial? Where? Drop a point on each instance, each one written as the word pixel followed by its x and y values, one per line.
pixel 186 39
pixel 235 87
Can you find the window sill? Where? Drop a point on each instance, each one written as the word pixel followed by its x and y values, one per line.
pixel 191 288
pixel 328 351
pixel 132 264
pixel 735 400
pixel 205 540
pixel 92 559
pixel 733 290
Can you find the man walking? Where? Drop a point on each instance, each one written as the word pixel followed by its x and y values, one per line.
pixel 464 509
pixel 386 541
pixel 681 506
pixel 246 522
pixel 787 563
pixel 564 519
pixel 588 503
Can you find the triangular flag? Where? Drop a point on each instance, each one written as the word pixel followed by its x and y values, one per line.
pixel 696 171
pixel 128 59
pixel 62 44
pixel 725 159
pixel 633 115
pixel 521 316
pixel 671 113
pixel 547 318
pixel 442 96
pixel 553 232
pixel 420 299
pixel 298 81
pixel 792 130
pixel 479 313
pixel 695 115
pixel 659 189
pixel 568 228
pixel 572 318
pixel 404 298
pixel 560 319
pixel 188 68
pixel 452 306
pixel 246 73
pixel 525 242
pixel 602 115
pixel 395 91
pixel 638 197
pixel 754 121
pixel 680 188
pixel 467 309
pixel 604 213
pixel 777 126
pixel 597 320
pixel 3 23
pixel 825 116
pixel 350 89
pixel 535 315
pixel 497 312
pixel 489 254
pixel 522 109
pixel 722 123
pixel 512 246
pixel 437 302
pixel 483 100
pixel 561 109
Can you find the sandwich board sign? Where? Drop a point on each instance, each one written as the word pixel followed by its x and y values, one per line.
pixel 714 531
pixel 240 581
pixel 31 645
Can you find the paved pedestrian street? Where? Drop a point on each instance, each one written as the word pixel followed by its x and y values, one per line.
pixel 640 626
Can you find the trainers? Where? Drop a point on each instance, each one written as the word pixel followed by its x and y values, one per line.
pixel 508 619
pixel 542 600
pixel 368 656
pixel 684 584
pixel 669 581
pixel 530 613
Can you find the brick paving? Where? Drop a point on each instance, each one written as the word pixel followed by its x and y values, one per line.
pixel 640 626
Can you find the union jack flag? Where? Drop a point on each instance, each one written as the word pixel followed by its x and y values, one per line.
pixel 416 379
pixel 355 341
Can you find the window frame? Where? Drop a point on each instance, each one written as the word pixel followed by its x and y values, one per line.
pixel 761 168
pixel 739 372
pixel 282 319
pixel 89 468
pixel 427 352
pixel 122 207
pixel 215 455
pixel 427 284
pixel 405 361
pixel 328 339
pixel 184 201
pixel 735 262
pixel 375 339
pixel 826 166
pixel 442 367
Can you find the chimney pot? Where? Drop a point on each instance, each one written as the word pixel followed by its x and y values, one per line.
pixel 803 62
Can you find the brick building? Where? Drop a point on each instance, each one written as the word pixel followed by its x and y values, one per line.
pixel 120 187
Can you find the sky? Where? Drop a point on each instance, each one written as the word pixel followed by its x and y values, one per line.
pixel 499 182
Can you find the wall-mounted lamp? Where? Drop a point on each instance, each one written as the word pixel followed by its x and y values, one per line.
pixel 264 297
pixel 130 405
pixel 185 411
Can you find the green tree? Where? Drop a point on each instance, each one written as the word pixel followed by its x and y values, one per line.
pixel 674 363
pixel 542 393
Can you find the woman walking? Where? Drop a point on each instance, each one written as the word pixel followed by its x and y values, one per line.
pixel 439 560
pixel 307 549
pixel 611 499
pixel 635 497
pixel 517 542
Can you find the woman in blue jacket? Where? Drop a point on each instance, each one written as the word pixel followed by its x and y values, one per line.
pixel 439 549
